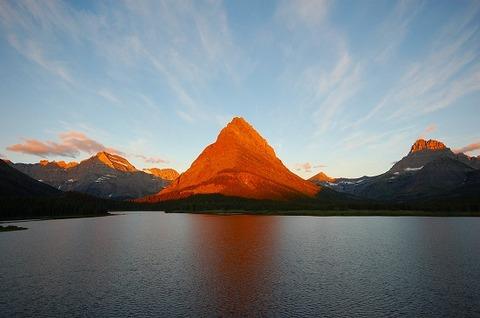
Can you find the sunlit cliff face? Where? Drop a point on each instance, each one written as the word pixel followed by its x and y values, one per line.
pixel 240 163
pixel 115 162
pixel 431 144
pixel 62 164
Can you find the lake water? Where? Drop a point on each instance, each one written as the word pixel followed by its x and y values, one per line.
pixel 156 264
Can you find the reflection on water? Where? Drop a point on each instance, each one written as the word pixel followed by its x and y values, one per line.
pixel 156 264
pixel 236 255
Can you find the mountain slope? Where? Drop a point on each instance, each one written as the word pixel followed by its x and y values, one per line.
pixel 16 183
pixel 240 163
pixel 103 175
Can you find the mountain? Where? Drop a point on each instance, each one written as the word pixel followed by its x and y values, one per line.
pixel 115 162
pixel 24 197
pixel 104 175
pixel 321 178
pixel 428 171
pixel 240 163
pixel 15 183
pixel 165 174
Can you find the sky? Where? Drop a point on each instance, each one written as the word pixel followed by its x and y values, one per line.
pixel 344 87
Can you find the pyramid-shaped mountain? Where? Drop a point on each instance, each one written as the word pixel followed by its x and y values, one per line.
pixel 240 163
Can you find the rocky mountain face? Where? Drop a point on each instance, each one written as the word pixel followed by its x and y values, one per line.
pixel 431 144
pixel 240 163
pixel 165 174
pixel 430 169
pixel 103 175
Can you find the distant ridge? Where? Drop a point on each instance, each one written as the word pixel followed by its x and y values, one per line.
pixel 103 175
pixel 320 178
pixel 429 172
pixel 166 174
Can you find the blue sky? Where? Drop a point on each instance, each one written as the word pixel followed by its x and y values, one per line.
pixel 345 87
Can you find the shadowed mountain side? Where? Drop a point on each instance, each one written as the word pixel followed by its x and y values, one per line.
pixel 16 183
pixel 24 197
pixel 426 174
pixel 239 164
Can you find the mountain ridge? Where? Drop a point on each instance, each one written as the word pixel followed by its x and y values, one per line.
pixel 103 175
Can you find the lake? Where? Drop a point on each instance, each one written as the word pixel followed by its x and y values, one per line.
pixel 157 264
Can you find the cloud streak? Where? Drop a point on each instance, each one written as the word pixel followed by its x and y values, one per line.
pixel 449 71
pixel 184 44
pixel 429 129
pixel 71 144
pixel 468 148
pixel 156 160
pixel 307 166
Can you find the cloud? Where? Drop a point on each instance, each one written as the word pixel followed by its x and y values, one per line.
pixel 449 70
pixel 179 46
pixel 429 129
pixel 34 52
pixel 308 13
pixel 108 95
pixel 307 166
pixel 395 27
pixel 359 139
pixel 156 160
pixel 468 148
pixel 337 98
pixel 70 145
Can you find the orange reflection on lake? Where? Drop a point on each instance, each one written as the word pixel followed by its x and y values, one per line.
pixel 237 255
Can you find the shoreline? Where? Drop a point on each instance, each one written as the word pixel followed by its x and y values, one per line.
pixel 317 213
pixel 333 213
pixel 12 228
pixel 45 218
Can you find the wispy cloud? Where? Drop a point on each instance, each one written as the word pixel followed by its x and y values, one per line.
pixel 108 95
pixel 468 148
pixel 395 27
pixel 156 160
pixel 70 145
pixel 307 167
pixel 449 71
pixel 180 45
pixel 360 138
pixel 428 130
pixel 310 13
pixel 34 52
pixel 337 98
